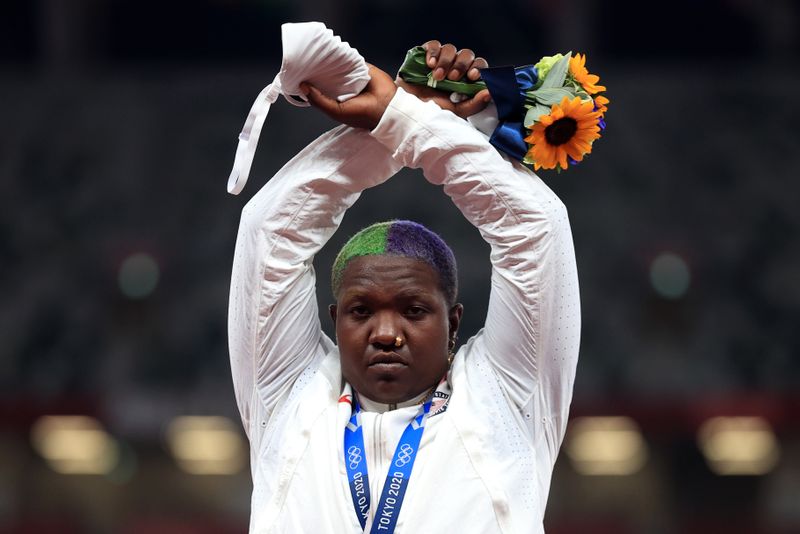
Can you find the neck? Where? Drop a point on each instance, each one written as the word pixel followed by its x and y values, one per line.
pixel 369 405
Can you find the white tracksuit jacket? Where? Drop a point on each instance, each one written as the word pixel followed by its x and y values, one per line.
pixel 486 457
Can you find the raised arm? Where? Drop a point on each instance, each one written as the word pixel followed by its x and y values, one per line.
pixel 273 323
pixel 532 328
pixel 533 323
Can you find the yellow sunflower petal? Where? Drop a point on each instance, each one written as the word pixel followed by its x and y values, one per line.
pixel 576 64
pixel 582 76
pixel 587 107
pixel 588 129
pixel 573 152
pixel 585 148
pixel 570 103
pixel 545 156
pixel 562 157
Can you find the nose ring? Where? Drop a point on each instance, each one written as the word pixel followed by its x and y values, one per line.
pixel 398 341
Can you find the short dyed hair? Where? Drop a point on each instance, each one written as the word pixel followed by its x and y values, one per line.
pixel 400 238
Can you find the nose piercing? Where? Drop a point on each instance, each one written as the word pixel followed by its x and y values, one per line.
pixel 398 341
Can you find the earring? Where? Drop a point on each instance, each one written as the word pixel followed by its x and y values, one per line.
pixel 450 346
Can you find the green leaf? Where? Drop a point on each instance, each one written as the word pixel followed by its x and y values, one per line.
pixel 557 74
pixel 414 70
pixel 464 87
pixel 534 113
pixel 551 95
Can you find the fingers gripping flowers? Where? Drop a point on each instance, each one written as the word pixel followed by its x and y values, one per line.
pixel 549 114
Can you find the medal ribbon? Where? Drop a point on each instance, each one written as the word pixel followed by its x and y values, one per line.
pixel 394 489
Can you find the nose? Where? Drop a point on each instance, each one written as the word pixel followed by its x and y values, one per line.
pixel 385 330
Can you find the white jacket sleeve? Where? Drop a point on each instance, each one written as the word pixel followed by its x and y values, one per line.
pixel 273 323
pixel 532 327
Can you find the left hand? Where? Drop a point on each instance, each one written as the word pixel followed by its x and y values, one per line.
pixel 362 111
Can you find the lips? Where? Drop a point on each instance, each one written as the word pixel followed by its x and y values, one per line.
pixel 387 359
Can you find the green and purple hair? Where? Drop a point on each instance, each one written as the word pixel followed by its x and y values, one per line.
pixel 401 238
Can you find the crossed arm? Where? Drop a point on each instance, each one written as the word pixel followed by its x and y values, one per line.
pixel 273 323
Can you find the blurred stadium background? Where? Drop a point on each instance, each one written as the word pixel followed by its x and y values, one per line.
pixel 118 125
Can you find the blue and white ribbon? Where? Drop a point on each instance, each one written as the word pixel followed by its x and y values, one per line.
pixel 394 489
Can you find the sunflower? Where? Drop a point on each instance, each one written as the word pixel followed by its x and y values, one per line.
pixel 568 130
pixel 577 66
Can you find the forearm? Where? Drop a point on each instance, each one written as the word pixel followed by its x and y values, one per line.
pixel 273 322
pixel 526 226
pixel 292 217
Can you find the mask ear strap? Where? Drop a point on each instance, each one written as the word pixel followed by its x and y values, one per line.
pixel 297 100
pixel 311 52
pixel 248 139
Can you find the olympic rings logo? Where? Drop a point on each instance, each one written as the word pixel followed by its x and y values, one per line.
pixel 354 455
pixel 404 455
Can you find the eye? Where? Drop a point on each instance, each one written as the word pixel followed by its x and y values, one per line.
pixel 416 312
pixel 359 311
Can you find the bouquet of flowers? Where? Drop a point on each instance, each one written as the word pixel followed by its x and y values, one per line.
pixel 548 114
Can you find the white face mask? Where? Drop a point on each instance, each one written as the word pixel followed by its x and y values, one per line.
pixel 311 53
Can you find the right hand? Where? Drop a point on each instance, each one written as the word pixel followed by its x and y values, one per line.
pixel 446 61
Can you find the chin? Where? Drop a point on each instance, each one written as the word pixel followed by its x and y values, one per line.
pixel 390 392
pixel 385 393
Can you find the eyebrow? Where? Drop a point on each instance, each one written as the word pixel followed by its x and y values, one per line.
pixel 413 292
pixel 355 291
